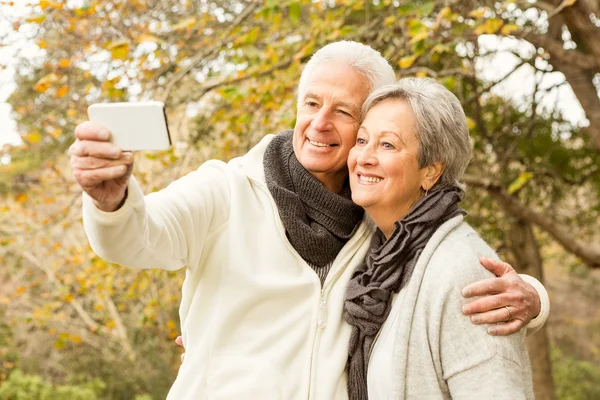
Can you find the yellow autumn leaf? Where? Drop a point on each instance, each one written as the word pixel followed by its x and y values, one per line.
pixel 41 43
pixel 72 112
pixel 33 137
pixel 389 21
pixel 184 24
pixel 56 133
pixel 418 37
pixel 62 91
pixel 119 49
pixel 45 82
pixel 508 29
pixel 489 26
pixel 406 62
pixel 110 324
pixel 470 123
pixel 38 19
pixel 145 37
pixel 518 183
pixel 478 13
pixel 50 4
pixel 421 74
pixel 569 3
pixel 64 63
pixel 443 14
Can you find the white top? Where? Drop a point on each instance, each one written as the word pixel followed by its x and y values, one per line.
pixel 255 322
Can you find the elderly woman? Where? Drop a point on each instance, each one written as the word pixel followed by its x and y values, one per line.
pixel 409 339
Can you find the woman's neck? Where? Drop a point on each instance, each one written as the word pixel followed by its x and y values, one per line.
pixel 385 217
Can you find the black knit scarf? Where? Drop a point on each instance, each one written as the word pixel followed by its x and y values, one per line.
pixel 317 221
pixel 385 271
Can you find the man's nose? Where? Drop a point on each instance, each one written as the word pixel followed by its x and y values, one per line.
pixel 322 120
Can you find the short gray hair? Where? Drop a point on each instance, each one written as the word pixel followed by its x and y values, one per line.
pixel 441 124
pixel 362 58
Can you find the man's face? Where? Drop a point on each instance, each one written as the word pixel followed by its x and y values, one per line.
pixel 328 120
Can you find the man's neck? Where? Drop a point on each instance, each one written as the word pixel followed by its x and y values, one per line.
pixel 334 182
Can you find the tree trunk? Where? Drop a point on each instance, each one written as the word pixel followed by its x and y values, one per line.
pixel 525 251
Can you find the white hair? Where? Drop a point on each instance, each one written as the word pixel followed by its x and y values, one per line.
pixel 362 58
pixel 441 124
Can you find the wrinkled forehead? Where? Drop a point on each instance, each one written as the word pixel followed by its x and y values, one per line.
pixel 335 82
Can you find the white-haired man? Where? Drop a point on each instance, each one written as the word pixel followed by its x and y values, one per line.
pixel 270 241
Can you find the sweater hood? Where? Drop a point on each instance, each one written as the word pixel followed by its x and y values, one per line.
pixel 251 163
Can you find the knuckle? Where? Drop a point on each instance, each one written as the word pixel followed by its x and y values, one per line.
pixel 496 302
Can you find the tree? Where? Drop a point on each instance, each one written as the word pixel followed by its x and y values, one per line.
pixel 227 71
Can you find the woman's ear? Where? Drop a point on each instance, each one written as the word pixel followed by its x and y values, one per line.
pixel 430 175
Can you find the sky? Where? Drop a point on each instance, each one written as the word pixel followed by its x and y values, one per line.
pixel 518 87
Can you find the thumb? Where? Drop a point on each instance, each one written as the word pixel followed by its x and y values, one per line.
pixel 497 267
pixel 179 341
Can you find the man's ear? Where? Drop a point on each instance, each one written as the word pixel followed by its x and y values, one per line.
pixel 430 175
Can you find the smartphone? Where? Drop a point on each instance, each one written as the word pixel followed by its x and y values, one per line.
pixel 134 126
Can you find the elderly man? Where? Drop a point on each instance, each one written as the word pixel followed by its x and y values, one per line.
pixel 270 241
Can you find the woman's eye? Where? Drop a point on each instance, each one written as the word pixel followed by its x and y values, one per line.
pixel 360 141
pixel 387 145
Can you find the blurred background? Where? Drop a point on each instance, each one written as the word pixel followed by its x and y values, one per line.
pixel 527 72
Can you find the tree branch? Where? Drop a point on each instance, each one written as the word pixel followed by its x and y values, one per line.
pixel 119 326
pixel 556 50
pixel 202 55
pixel 75 304
pixel 589 253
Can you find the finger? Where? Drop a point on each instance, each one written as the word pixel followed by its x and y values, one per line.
pixel 89 179
pixel 486 286
pixel 179 341
pixel 506 329
pixel 495 266
pixel 485 304
pixel 84 148
pixel 89 131
pixel 95 163
pixel 499 315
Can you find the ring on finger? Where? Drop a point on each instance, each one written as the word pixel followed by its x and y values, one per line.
pixel 510 316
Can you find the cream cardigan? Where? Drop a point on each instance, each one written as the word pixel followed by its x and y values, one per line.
pixel 428 350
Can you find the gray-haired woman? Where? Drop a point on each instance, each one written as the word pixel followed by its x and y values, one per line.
pixel 409 340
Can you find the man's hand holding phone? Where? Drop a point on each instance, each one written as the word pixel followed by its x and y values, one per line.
pixel 100 167
pixel 101 156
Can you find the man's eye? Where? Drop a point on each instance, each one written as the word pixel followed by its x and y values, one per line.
pixel 311 104
pixel 346 113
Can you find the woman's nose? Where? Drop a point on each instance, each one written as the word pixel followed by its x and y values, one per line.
pixel 367 155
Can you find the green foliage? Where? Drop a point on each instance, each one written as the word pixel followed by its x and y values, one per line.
pixel 32 387
pixel 575 379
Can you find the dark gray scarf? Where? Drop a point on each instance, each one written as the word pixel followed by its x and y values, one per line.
pixel 385 271
pixel 318 222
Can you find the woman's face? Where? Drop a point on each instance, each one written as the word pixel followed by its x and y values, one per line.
pixel 384 167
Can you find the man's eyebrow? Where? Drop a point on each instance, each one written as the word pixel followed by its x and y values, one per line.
pixel 345 104
pixel 312 95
